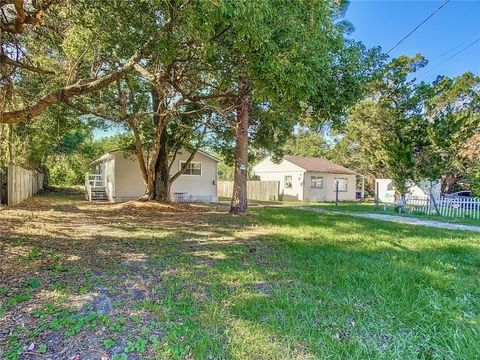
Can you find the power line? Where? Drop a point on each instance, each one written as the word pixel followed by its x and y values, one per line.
pixel 416 27
pixel 451 57
pixel 446 52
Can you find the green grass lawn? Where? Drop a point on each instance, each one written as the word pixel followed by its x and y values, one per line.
pixel 149 281
pixel 368 207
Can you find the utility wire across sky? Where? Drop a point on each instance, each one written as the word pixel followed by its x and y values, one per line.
pixel 450 57
pixel 418 26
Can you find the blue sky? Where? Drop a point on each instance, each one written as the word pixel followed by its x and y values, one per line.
pixel 384 22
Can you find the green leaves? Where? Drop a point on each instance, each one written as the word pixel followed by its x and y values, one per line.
pixel 42 348
pixel 409 131
pixel 293 53
pixel 307 143
pixel 108 343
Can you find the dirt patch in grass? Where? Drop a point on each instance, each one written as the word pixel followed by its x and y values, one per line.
pixel 77 277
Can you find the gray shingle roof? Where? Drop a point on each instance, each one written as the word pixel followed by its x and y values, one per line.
pixel 320 165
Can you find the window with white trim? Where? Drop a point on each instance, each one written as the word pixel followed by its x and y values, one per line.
pixel 316 182
pixel 342 184
pixel 194 168
pixel 288 182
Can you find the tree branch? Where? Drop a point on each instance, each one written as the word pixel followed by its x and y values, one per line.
pixel 83 86
pixel 5 59
pixel 145 73
pixel 187 162
pixel 17 26
pixel 139 151
pixel 184 167
pixel 174 156
pixel 85 111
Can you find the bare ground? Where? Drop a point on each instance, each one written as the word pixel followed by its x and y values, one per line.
pixel 73 273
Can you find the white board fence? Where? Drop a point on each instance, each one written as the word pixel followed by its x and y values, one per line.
pixel 22 183
pixel 461 207
pixel 256 190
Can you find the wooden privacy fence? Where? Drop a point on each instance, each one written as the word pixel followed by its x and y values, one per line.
pixel 462 207
pixel 256 190
pixel 22 183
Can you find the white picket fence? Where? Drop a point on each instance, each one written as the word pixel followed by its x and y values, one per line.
pixel 462 207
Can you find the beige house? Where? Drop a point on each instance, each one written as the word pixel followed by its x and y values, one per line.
pixel 117 177
pixel 309 179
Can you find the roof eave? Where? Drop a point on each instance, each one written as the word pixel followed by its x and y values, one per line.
pixel 208 155
pixel 109 154
pixel 104 157
pixel 336 172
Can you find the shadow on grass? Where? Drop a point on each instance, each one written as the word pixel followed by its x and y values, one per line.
pixel 278 282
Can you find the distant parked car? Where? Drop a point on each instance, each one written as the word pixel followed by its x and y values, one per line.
pixel 459 194
pixel 462 199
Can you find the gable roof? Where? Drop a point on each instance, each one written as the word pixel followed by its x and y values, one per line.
pixel 104 157
pixel 208 155
pixel 320 165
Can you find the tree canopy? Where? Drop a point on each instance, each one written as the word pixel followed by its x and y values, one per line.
pixel 241 77
pixel 406 130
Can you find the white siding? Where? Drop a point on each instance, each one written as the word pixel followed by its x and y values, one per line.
pixel 424 187
pixel 327 192
pixel 421 188
pixel 267 165
pixel 268 170
pixel 197 188
pixel 129 183
pixel 109 178
pixel 106 168
pixel 301 180
pixel 124 181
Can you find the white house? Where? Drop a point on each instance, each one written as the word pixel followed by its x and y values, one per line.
pixel 117 177
pixel 385 189
pixel 309 179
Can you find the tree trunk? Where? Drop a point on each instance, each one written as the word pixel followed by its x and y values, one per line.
pixel 46 177
pixel 159 125
pixel 139 153
pixel 10 144
pixel 1 143
pixel 239 202
pixel 449 181
pixel 162 176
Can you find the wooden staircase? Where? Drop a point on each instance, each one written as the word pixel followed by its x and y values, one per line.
pixel 95 188
pixel 98 194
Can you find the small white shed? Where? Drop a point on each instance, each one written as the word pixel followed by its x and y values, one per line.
pixel 385 189
pixel 120 176
pixel 309 179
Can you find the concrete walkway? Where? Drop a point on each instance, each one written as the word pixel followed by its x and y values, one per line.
pixel 397 219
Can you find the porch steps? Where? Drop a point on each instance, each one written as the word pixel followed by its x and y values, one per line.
pixel 99 194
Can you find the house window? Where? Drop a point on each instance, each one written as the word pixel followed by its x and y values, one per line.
pixel 194 168
pixel 316 182
pixel 288 182
pixel 342 184
pixel 390 186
